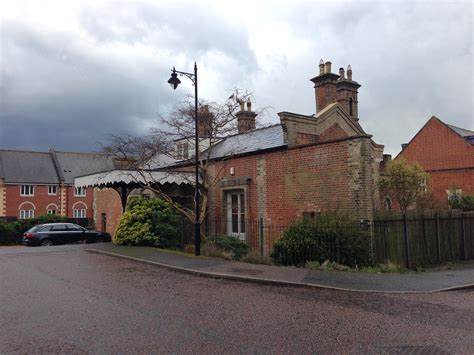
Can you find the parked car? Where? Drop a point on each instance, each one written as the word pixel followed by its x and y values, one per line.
pixel 62 233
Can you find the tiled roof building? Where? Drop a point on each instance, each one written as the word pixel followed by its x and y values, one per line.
pixel 34 183
pixel 445 152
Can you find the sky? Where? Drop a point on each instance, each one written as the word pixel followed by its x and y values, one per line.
pixel 74 72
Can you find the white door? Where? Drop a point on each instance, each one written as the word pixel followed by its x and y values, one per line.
pixel 236 214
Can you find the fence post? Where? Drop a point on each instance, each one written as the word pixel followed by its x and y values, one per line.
pixel 371 229
pixel 438 242
pixel 385 241
pixel 463 238
pixel 261 236
pixel 405 239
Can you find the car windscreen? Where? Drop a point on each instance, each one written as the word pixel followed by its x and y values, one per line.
pixel 34 229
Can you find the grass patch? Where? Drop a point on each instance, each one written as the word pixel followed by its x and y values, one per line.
pixel 328 265
pixel 255 258
pixel 387 268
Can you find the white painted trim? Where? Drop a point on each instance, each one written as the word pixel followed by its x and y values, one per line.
pixel 23 203
pixel 32 188
pixel 82 189
pixel 52 205
pixel 55 194
pixel 79 202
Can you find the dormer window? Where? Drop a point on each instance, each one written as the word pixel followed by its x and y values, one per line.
pixel 182 150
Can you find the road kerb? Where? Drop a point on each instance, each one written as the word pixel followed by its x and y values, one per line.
pixel 273 282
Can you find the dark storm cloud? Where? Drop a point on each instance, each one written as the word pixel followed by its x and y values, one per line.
pixel 65 91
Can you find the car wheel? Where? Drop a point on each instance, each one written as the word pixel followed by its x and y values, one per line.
pixel 46 242
pixel 100 239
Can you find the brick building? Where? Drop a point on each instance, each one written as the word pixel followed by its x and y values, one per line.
pixel 37 183
pixel 445 152
pixel 303 165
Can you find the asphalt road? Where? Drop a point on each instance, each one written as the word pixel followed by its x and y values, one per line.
pixel 66 300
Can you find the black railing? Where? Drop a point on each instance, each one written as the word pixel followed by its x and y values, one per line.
pixel 411 240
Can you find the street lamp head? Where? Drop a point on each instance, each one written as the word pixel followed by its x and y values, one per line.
pixel 174 81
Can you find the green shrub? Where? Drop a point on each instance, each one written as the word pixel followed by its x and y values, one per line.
pixel 8 235
pixel 255 258
pixel 386 268
pixel 11 232
pixel 328 237
pixel 463 203
pixel 232 245
pixel 149 222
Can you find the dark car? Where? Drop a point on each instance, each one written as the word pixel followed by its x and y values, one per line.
pixel 62 233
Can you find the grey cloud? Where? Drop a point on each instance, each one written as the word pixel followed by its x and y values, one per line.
pixel 184 27
pixel 58 92
pixel 68 101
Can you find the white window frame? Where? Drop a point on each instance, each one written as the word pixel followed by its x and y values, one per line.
pixel 52 211
pixel 26 214
pixel 52 190
pixel 454 194
pixel 239 215
pixel 27 190
pixel 80 191
pixel 79 213
pixel 423 185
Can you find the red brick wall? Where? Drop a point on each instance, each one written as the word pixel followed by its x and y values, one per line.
pixel 107 201
pixel 446 156
pixel 41 200
pixel 79 202
pixel 438 147
pixel 441 181
pixel 304 179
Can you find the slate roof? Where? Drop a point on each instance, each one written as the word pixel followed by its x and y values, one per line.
pixel 27 167
pixel 461 131
pixel 76 164
pixel 252 141
pixel 18 166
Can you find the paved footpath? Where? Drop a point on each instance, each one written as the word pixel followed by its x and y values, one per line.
pixel 352 281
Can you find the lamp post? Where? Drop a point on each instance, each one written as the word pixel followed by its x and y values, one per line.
pixel 174 82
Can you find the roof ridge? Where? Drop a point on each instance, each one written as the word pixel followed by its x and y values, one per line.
pixel 84 153
pixel 56 164
pixel 251 131
pixel 464 129
pixel 23 151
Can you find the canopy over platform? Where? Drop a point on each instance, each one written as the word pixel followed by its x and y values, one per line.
pixel 125 181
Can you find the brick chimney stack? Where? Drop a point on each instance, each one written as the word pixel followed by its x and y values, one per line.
pixel 330 88
pixel 246 118
pixel 206 118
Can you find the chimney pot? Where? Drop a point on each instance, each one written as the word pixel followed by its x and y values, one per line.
pixel 349 72
pixel 249 106
pixel 341 73
pixel 321 67
pixel 328 67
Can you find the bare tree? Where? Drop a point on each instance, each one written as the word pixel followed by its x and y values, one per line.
pixel 168 149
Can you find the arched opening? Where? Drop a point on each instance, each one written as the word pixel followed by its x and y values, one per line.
pixel 351 109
